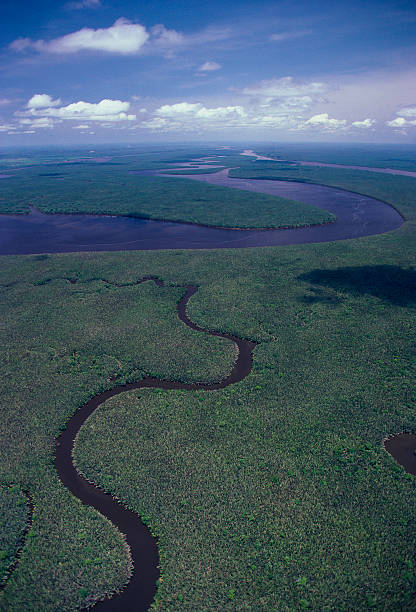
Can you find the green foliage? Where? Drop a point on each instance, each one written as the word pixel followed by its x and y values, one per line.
pixel 66 342
pixel 271 494
pixel 106 189
pixel 14 517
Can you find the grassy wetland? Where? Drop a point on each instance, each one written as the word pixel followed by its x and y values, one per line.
pixel 272 494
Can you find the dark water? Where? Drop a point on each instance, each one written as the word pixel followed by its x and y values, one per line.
pixel 139 593
pixel 403 448
pixel 357 216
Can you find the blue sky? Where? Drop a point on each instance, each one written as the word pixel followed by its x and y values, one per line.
pixel 84 71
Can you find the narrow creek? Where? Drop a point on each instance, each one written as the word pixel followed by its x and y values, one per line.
pixel 140 591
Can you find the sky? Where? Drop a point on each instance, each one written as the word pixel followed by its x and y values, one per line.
pixel 106 71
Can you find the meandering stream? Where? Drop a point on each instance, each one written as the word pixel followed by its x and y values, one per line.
pixel 141 589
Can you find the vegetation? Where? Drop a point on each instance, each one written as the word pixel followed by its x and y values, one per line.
pixel 15 516
pixel 401 157
pixel 110 188
pixel 274 493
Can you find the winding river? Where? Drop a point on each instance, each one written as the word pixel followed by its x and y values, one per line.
pixel 141 589
pixel 357 216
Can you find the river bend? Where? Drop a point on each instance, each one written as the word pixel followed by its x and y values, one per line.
pixel 357 215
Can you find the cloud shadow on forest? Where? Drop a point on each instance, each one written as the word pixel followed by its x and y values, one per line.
pixel 388 283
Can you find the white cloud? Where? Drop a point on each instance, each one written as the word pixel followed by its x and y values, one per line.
pixel 194 116
pixel 324 122
pixel 42 101
pixel 123 37
pixel 81 127
pixel 4 101
pixel 406 118
pixel 398 122
pixel 41 122
pixel 6 127
pixel 157 123
pixel 364 124
pixel 401 122
pixel 106 110
pixel 209 67
pixel 198 111
pixel 409 111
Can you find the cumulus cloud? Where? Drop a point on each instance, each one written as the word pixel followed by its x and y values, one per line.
pixel 194 116
pixel 398 122
pixel 42 101
pixel 408 111
pixel 209 67
pixel 105 111
pixel 364 124
pixel 123 37
pixel 401 122
pixel 324 122
pixel 81 127
pixel 198 110
pixel 406 118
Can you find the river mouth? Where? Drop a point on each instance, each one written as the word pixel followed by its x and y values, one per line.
pixel 357 216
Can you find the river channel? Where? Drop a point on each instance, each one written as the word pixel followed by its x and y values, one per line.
pixel 357 215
